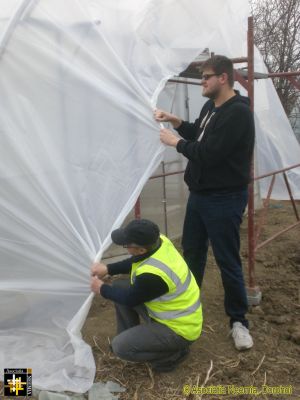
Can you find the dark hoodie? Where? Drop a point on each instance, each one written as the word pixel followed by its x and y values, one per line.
pixel 220 161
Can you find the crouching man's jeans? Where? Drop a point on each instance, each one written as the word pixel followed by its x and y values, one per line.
pixel 216 218
pixel 148 342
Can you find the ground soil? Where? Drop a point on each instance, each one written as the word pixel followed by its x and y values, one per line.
pixel 275 325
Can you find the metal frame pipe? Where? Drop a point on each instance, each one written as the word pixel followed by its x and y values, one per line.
pixel 251 227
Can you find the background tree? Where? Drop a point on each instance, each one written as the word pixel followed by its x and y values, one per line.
pixel 277 35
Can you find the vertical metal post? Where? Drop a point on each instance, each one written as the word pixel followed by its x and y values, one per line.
pixel 291 195
pixel 165 198
pixel 251 228
pixel 137 209
pixel 262 220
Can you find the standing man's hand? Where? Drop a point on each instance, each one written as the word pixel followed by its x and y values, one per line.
pixel 164 116
pixel 168 137
pixel 96 284
pixel 99 270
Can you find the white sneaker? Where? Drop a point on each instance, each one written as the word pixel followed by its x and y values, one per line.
pixel 241 336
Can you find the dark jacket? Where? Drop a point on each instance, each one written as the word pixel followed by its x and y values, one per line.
pixel 220 161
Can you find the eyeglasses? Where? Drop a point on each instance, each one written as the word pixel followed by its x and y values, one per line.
pixel 206 77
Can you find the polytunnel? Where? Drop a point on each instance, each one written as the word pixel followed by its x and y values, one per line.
pixel 79 81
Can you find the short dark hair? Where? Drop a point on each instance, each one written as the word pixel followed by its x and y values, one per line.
pixel 220 64
pixel 151 247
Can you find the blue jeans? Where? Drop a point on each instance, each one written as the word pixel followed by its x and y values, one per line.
pixel 216 218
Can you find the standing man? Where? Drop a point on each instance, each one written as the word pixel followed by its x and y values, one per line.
pixel 161 289
pixel 219 146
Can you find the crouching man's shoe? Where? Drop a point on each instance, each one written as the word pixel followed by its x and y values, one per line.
pixel 241 336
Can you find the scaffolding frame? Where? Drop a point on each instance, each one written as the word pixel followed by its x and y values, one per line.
pixel 254 230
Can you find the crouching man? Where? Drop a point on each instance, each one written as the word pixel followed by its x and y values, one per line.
pixel 161 290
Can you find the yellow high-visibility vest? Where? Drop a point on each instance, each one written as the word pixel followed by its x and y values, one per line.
pixel 180 308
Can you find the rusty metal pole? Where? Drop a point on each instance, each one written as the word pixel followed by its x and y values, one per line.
pixel 291 195
pixel 164 201
pixel 137 209
pixel 254 295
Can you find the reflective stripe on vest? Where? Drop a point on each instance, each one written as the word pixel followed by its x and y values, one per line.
pixel 180 287
pixel 175 314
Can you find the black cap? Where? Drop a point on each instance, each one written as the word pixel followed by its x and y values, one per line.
pixel 139 231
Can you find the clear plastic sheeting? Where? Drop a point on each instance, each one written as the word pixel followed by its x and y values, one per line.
pixel 105 391
pixel 276 144
pixel 78 82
